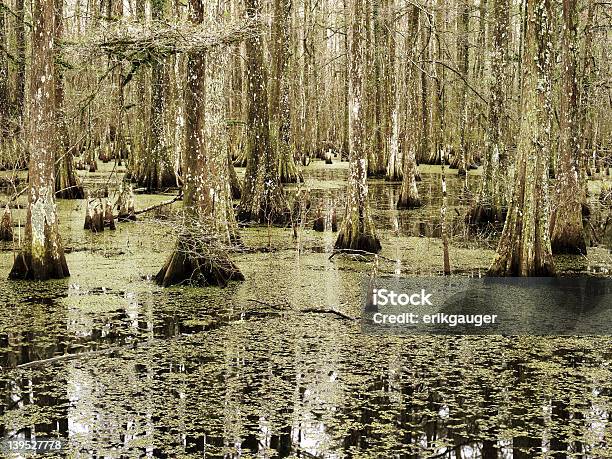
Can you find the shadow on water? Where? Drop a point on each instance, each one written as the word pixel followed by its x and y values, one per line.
pixel 122 368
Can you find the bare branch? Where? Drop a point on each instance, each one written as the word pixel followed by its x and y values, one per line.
pixel 138 42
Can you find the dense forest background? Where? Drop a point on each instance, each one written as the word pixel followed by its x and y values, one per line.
pixel 180 94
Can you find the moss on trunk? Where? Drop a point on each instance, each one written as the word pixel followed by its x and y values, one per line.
pixel 200 256
pixel 287 169
pixel 357 231
pixel 67 183
pixel 567 235
pixel 524 248
pixel 409 193
pixel 42 255
pixel 263 198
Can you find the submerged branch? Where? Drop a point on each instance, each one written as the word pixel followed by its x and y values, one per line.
pixel 279 307
pixel 330 311
pixel 360 252
pixel 66 357
pixel 161 204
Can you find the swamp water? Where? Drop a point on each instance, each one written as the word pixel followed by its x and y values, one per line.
pixel 123 368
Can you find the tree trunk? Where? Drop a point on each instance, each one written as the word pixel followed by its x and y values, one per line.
pixel 588 62
pixel 20 71
pixel 394 161
pixel 235 186
pixel 491 199
pixel 345 98
pixel 380 89
pixel 67 183
pixel 409 194
pixel 200 256
pixel 437 107
pixel 524 248
pixel 262 194
pixel 236 93
pixel 443 223
pixel 357 232
pixel 138 151
pixel 116 133
pixel 479 61
pixel 155 170
pixel 306 137
pixel 42 256
pixel 567 229
pixel 5 103
pixel 235 105
pixel 424 118
pixel 279 97
pixel 6 225
pixel 463 20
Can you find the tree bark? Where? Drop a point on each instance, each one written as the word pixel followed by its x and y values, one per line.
pixel 20 71
pixel 307 129
pixel 424 151
pixel 479 61
pixel 5 103
pixel 488 207
pixel 567 229
pixel 443 222
pixel 6 225
pixel 155 170
pixel 357 232
pixel 67 183
pixel 588 61
pixel 524 248
pixel 394 161
pixel 381 92
pixel 409 194
pixel 262 194
pixel 279 97
pixel 200 256
pixel 463 20
pixel 138 151
pixel 116 132
pixel 42 256
pixel 437 107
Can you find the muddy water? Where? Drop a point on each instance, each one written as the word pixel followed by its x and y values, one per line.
pixel 122 368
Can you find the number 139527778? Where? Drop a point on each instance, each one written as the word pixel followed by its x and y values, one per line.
pixel 38 445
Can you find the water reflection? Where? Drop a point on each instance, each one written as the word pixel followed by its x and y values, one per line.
pixel 327 192
pixel 314 386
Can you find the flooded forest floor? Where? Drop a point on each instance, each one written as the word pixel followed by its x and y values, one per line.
pixel 123 368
